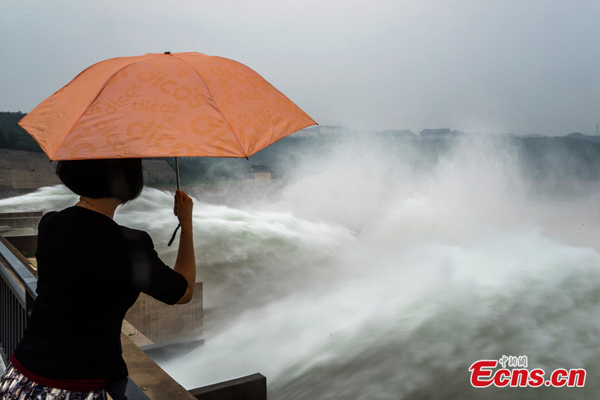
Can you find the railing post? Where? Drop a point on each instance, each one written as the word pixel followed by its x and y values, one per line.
pixel 29 302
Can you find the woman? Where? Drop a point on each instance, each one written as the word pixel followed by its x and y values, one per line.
pixel 91 270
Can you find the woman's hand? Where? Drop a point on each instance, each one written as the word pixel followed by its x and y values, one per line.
pixel 183 208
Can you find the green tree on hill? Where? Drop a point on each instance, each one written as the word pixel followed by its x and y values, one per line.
pixel 12 136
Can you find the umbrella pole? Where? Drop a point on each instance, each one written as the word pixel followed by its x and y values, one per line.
pixel 177 171
pixel 177 178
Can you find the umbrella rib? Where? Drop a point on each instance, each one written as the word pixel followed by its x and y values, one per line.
pixel 209 91
pixel 90 103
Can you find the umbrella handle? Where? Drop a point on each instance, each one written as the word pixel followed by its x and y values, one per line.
pixel 174 233
pixel 177 176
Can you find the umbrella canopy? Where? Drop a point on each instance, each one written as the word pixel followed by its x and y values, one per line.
pixel 163 105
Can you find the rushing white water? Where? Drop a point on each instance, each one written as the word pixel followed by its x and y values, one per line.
pixel 368 279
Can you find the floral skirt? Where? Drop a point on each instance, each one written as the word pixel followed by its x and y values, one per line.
pixel 15 386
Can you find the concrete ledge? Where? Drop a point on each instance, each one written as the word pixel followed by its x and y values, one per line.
pixel 152 379
pixel 251 387
pixel 24 219
pixel 26 244
pixel 165 350
pixel 16 252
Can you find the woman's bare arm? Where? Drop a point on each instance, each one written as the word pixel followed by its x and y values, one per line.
pixel 186 259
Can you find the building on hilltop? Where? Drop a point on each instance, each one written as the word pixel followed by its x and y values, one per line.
pixel 439 134
pixel 261 172
pixel 257 174
pixel 319 130
pixel 431 134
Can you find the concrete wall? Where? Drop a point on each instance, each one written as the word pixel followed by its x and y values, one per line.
pixel 160 322
pixel 18 220
pixel 25 171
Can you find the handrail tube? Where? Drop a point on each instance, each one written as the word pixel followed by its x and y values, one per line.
pixel 25 276
pixel 13 313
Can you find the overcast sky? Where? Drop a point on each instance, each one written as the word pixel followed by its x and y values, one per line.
pixel 475 65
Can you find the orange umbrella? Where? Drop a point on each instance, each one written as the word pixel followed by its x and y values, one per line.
pixel 163 105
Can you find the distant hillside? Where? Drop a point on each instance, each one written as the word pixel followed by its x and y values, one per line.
pixel 576 156
pixel 559 158
pixel 8 120
pixel 581 136
pixel 12 136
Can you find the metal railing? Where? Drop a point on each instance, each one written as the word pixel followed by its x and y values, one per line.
pixel 17 295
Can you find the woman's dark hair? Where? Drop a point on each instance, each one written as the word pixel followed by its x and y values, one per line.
pixel 121 178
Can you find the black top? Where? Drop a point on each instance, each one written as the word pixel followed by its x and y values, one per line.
pixel 91 270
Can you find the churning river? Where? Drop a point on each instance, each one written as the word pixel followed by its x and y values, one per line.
pixel 368 278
